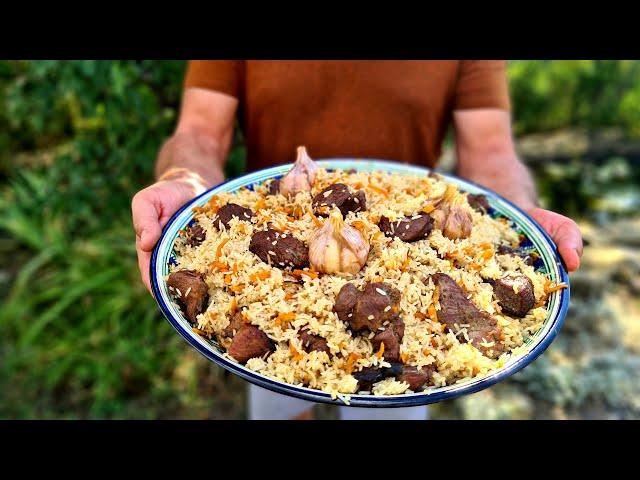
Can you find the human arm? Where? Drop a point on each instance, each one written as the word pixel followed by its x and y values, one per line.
pixel 486 155
pixel 188 163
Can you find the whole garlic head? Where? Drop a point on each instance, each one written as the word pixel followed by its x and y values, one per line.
pixel 336 247
pixel 451 217
pixel 301 176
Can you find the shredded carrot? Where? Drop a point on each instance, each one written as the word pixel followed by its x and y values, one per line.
pixel 359 224
pixel 380 352
pixel 351 361
pixel 404 357
pixel 551 289
pixel 432 313
pixel 357 185
pixel 429 208
pixel 316 222
pixel 436 295
pixel 380 190
pixel 289 295
pixel 219 249
pixel 227 278
pixel 260 204
pixel 233 306
pixel 220 266
pixel 487 254
pixel 434 343
pixel 234 288
pixel 310 273
pixel 420 315
pixel 235 268
pixel 261 275
pixel 426 351
pixel 405 264
pixel 296 354
pixel 284 318
pixel 212 204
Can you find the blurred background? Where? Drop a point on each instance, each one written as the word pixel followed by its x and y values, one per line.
pixel 81 337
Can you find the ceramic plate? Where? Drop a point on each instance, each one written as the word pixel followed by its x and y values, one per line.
pixel 535 238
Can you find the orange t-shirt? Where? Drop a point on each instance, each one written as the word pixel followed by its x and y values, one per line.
pixel 394 110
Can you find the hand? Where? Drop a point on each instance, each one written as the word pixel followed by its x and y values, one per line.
pixel 152 207
pixel 564 232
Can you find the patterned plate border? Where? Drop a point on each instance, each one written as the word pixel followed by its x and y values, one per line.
pixel 552 264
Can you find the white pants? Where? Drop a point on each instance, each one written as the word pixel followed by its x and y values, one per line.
pixel 267 405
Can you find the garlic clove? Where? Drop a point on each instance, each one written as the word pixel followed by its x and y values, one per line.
pixel 451 217
pixel 336 247
pixel 301 176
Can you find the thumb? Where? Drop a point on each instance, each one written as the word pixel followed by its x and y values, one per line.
pixel 146 222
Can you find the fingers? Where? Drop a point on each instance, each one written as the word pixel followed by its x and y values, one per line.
pixel 565 234
pixel 569 243
pixel 144 259
pixel 145 220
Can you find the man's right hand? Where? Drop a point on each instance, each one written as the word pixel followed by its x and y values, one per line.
pixel 152 208
pixel 189 162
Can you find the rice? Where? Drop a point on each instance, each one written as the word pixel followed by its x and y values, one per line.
pixel 311 298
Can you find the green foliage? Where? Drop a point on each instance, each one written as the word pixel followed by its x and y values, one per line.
pixel 552 94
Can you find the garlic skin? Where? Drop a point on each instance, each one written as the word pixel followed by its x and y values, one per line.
pixel 301 176
pixel 451 217
pixel 336 247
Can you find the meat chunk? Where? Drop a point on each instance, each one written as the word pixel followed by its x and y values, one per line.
pixel 339 195
pixel 515 294
pixel 311 342
pixel 370 375
pixel 230 210
pixel 190 291
pixel 274 186
pixel 407 229
pixel 377 304
pixel 392 339
pixel 279 250
pixel 414 376
pixel 455 308
pixel 346 301
pixel 250 342
pixel 235 324
pixel 195 234
pixel 529 258
pixel 368 309
pixel 478 201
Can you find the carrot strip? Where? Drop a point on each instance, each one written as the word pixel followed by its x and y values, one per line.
pixel 296 355
pixel 380 190
pixel 310 274
pixel 284 318
pixel 219 249
pixel 235 288
pixel 380 352
pixel 233 306
pixel 351 361
pixel 316 222
pixel 261 275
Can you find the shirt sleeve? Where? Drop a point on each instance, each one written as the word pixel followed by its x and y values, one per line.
pixel 223 76
pixel 482 84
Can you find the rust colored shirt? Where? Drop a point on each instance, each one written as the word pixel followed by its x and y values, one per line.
pixel 394 110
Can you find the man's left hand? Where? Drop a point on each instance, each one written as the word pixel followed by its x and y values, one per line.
pixel 564 232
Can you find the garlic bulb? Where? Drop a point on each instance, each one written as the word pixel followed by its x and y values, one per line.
pixel 451 217
pixel 301 176
pixel 336 247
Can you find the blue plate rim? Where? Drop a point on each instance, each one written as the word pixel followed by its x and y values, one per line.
pixel 402 400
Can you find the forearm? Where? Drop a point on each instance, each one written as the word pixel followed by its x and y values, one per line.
pixel 192 155
pixel 504 174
